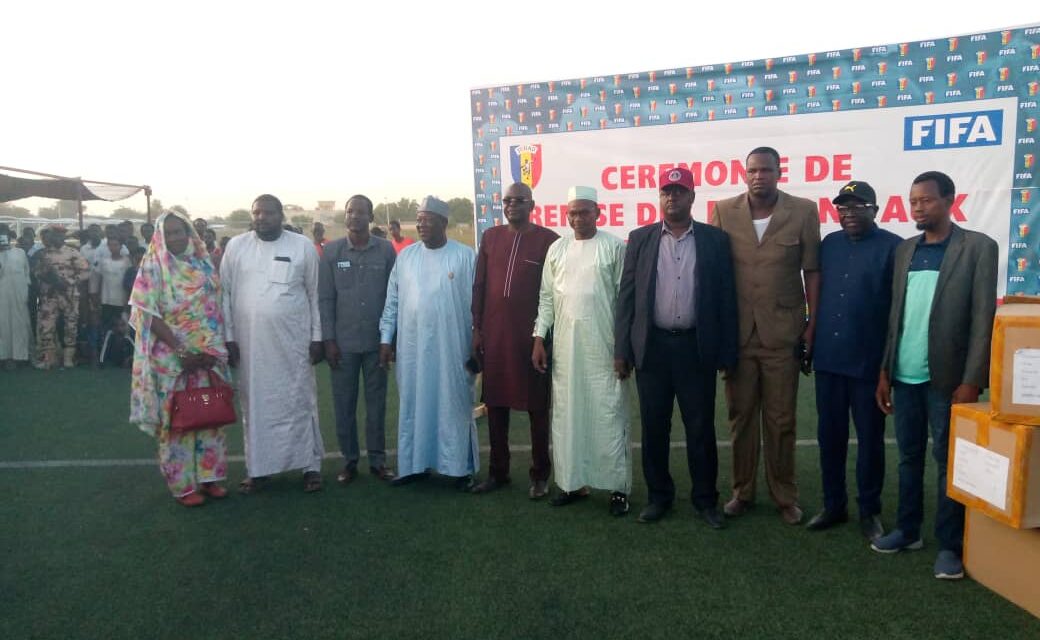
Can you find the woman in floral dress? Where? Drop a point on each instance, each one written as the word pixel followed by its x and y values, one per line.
pixel 176 313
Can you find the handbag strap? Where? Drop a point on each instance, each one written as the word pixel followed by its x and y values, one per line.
pixel 214 380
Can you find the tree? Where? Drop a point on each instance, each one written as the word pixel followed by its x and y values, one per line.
pixel 50 212
pixel 13 211
pixel 460 210
pixel 404 210
pixel 157 208
pixel 69 208
pixel 240 216
pixel 126 213
pixel 301 221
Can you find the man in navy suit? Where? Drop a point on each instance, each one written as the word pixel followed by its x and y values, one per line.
pixel 676 324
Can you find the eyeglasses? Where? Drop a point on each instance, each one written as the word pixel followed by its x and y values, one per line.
pixel 856 210
pixel 510 201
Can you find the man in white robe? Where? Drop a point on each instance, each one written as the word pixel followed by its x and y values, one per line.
pixel 270 282
pixel 428 312
pixel 589 424
pixel 15 329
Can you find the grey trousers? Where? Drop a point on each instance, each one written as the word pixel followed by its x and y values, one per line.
pixel 345 397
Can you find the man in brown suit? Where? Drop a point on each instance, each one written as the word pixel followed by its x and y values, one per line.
pixel 775 238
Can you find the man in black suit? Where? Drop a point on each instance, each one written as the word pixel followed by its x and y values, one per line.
pixel 676 323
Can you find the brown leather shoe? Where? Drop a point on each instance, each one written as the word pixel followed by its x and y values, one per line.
pixel 383 473
pixel 538 490
pixel 791 514
pixel 489 485
pixel 736 507
pixel 346 476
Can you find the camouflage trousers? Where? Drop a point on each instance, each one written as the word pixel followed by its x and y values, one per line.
pixel 51 308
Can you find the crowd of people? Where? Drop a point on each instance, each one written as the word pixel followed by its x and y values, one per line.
pixel 67 294
pixel 558 327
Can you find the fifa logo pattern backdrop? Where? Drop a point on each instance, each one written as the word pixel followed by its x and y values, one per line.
pixel 955 71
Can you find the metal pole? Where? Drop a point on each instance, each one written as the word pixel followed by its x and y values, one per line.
pixel 79 201
pixel 148 203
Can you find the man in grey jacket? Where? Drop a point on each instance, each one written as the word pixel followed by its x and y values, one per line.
pixel 352 280
pixel 944 290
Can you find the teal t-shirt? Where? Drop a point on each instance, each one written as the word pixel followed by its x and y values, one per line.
pixel 912 353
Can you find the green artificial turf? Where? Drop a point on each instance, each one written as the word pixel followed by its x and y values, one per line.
pixel 103 552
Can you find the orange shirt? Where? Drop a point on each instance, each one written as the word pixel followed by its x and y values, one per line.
pixel 399 246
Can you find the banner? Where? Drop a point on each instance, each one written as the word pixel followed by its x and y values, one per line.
pixel 963 105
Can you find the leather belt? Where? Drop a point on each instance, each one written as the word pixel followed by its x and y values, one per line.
pixel 676 332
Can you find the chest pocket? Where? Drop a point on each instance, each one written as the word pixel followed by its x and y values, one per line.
pixel 350 274
pixel 526 271
pixel 787 250
pixel 280 272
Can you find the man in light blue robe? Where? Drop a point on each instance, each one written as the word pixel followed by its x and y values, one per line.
pixel 428 312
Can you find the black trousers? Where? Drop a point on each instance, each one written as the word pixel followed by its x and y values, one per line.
pixel 836 397
pixel 672 370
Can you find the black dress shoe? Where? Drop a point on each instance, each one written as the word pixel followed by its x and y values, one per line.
pixel 654 512
pixel 409 479
pixel 465 483
pixel 565 498
pixel 712 516
pixel 827 519
pixel 870 527
pixel 619 505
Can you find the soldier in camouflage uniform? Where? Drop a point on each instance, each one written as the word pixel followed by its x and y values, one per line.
pixel 61 273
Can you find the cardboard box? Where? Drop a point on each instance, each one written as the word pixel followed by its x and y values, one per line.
pixel 994 467
pixel 1005 560
pixel 1014 371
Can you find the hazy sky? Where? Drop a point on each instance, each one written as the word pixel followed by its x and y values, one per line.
pixel 212 103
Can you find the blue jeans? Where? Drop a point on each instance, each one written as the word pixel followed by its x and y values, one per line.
pixel 919 409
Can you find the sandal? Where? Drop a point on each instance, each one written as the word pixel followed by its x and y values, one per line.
pixel 311 482
pixel 250 485
pixel 214 490
pixel 192 499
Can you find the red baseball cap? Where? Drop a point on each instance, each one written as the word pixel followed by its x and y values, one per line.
pixel 676 175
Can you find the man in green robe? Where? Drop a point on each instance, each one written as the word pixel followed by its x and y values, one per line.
pixel 589 424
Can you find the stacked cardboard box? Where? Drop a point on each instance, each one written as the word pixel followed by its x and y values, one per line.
pixel 994 462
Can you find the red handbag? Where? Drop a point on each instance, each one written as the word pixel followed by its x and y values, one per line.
pixel 195 408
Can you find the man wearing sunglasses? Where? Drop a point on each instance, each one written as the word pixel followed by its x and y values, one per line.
pixel 855 296
pixel 505 305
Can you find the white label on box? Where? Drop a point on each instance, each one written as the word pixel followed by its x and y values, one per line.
pixel 981 472
pixel 1026 378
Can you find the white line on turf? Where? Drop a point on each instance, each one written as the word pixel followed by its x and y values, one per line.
pixel 144 462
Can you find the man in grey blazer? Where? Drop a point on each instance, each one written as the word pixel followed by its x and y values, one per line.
pixel 944 294
pixel 676 323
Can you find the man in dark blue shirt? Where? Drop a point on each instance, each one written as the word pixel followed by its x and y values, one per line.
pixel 856 292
